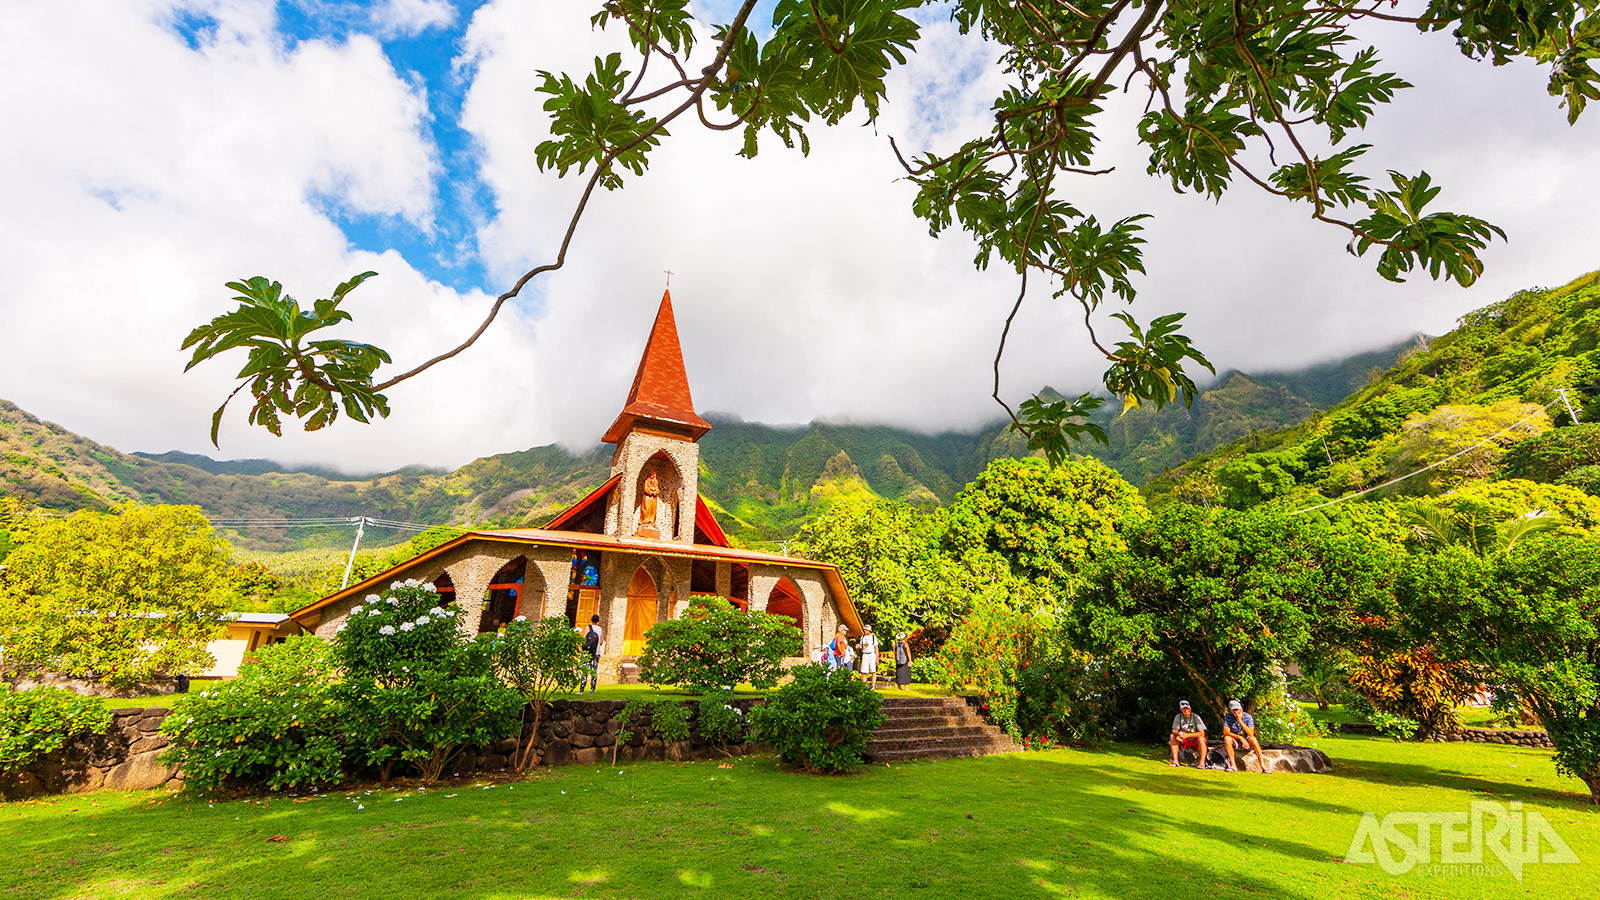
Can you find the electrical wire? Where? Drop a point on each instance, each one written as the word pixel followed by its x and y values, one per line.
pixel 1425 468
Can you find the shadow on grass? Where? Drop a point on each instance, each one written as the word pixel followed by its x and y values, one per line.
pixel 1000 827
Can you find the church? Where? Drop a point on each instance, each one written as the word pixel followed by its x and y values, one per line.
pixel 634 551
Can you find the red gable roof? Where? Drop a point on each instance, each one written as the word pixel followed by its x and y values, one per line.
pixel 707 524
pixel 660 391
pixel 577 511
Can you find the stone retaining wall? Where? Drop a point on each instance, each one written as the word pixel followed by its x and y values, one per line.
pixel 122 758
pixel 1516 737
pixel 571 731
pixel 585 731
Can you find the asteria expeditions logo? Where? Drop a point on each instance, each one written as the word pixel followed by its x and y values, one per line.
pixel 1491 840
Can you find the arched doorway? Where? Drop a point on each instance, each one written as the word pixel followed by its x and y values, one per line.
pixel 642 602
pixel 787 601
pixel 505 593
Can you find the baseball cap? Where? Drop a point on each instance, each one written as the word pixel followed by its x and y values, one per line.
pixel 1234 704
pixel 1183 704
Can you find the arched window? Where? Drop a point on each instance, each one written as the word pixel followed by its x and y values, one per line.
pixel 505 594
pixel 787 601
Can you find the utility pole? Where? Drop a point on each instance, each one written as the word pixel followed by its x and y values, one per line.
pixel 1570 414
pixel 361 526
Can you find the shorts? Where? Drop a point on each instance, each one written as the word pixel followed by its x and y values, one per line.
pixel 869 663
pixel 1190 738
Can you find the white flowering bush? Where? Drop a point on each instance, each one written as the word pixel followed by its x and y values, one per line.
pixel 415 689
pixel 275 726
pixel 719 721
pixel 537 659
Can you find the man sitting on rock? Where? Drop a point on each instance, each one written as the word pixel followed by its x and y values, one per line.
pixel 1188 731
pixel 1239 727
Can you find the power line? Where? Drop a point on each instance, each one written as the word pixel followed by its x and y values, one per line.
pixel 1430 465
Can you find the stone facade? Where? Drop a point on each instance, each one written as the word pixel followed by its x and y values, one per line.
pixel 123 758
pixel 676 464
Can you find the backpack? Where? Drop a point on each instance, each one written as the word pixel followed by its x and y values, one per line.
pixel 591 641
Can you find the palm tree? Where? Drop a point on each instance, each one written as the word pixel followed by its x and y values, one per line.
pixel 1436 527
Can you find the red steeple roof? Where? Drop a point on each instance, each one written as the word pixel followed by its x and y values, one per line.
pixel 660 393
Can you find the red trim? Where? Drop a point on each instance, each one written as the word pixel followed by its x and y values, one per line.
pixel 576 510
pixel 705 521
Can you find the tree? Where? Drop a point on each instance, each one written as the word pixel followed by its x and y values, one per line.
pixel 1046 522
pixel 118 597
pixel 889 557
pixel 1528 620
pixel 1224 596
pixel 536 659
pixel 715 646
pixel 1225 85
pixel 1464 442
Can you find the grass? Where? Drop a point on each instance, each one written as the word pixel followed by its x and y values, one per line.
pixel 164 700
pixel 1112 823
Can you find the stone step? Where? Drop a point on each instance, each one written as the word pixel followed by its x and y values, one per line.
pixel 886 733
pixel 932 719
pixel 942 752
pixel 920 743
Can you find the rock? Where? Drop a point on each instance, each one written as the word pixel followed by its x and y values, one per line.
pixel 561 729
pixel 505 747
pixel 1289 759
pixel 87 780
pixel 612 726
pixel 149 744
pixel 605 740
pixel 586 726
pixel 494 762
pixel 152 723
pixel 140 773
pixel 559 753
pixel 132 712
pixel 590 755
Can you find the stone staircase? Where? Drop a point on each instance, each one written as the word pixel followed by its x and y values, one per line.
pixel 934 728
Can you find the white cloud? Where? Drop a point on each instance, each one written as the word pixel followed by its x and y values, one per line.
pixel 143 173
pixel 412 17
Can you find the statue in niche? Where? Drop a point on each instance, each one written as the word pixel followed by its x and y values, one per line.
pixel 648 501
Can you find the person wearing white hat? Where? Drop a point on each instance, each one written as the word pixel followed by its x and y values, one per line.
pixel 1239 727
pixel 869 656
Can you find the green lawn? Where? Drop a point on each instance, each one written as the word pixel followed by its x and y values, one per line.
pixel 1114 823
pixel 163 700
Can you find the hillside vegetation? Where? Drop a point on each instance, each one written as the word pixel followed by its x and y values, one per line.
pixel 1476 404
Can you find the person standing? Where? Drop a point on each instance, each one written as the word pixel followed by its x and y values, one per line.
pixel 840 648
pixel 869 657
pixel 902 661
pixel 594 644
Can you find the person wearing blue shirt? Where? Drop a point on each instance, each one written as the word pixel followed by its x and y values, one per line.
pixel 1239 727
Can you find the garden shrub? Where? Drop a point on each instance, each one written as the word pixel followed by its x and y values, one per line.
pixel 720 722
pixel 43 720
pixel 415 689
pixel 821 721
pixel 277 725
pixel 989 650
pixel 1061 696
pixel 717 645
pixel 1280 718
pixel 669 719
pixel 536 659
pixel 1413 684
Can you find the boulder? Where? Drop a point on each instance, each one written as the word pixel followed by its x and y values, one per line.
pixel 1285 758
pixel 149 743
pixel 505 747
pixel 589 727
pixel 140 773
pixel 559 753
pixel 605 740
pixel 494 762
pixel 561 730
pixel 580 741
pixel 591 755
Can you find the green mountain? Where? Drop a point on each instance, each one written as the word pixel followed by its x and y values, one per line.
pixel 1466 407
pixel 764 482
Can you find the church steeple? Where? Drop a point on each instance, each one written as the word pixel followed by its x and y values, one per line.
pixel 659 400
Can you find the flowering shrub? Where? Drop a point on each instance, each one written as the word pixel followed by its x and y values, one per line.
pixel 717 645
pixel 821 721
pixel 276 725
pixel 415 689
pixel 720 722
pixel 39 721
pixel 990 650
pixel 536 659
pixel 1280 719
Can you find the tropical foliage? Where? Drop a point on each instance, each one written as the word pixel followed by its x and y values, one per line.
pixel 821 721
pixel 278 725
pixel 117 597
pixel 537 659
pixel 43 720
pixel 716 645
